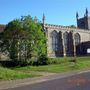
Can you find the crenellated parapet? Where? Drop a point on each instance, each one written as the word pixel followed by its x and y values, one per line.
pixel 66 28
pixel 56 26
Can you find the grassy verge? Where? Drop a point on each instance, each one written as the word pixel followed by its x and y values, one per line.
pixel 83 63
pixel 9 74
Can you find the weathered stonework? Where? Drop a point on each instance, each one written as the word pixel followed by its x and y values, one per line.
pixel 66 41
pixel 84 37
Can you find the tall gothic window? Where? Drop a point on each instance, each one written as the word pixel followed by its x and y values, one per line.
pixel 65 36
pixel 77 39
pixel 54 41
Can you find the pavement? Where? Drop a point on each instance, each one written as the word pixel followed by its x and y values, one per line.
pixel 30 81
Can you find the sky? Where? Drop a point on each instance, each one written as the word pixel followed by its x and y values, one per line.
pixel 59 12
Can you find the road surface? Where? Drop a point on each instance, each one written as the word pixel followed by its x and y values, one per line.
pixel 75 82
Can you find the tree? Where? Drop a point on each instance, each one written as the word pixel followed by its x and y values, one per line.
pixel 23 39
pixel 72 26
pixel 1 43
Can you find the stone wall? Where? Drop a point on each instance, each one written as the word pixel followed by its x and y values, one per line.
pixel 84 36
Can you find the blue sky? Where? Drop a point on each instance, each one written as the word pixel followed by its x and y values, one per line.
pixel 61 12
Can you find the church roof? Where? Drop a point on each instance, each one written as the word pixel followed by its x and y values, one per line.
pixel 2 27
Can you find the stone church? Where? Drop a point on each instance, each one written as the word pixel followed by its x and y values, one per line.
pixel 68 41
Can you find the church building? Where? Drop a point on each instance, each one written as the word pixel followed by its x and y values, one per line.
pixel 68 41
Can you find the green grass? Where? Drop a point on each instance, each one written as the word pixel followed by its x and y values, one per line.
pixel 9 74
pixel 83 63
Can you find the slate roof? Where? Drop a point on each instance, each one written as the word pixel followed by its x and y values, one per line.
pixel 2 27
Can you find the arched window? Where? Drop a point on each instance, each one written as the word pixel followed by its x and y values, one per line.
pixel 54 41
pixel 65 36
pixel 77 39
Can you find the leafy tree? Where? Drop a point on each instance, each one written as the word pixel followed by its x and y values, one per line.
pixel 23 39
pixel 1 43
pixel 72 26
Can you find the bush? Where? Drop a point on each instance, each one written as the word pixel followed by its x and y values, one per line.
pixel 55 60
pixel 8 64
pixel 42 60
pixel 31 61
pixel 34 61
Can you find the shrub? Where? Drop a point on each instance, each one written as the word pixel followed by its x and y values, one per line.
pixel 42 60
pixel 55 60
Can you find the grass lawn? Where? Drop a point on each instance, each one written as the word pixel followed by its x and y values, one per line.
pixel 83 63
pixel 9 74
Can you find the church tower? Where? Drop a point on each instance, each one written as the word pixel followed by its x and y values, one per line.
pixel 77 16
pixel 84 22
pixel 43 22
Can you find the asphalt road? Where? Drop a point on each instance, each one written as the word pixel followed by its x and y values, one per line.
pixel 76 82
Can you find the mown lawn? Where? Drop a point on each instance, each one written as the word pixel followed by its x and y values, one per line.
pixel 83 63
pixel 9 74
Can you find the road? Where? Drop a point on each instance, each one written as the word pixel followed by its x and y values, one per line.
pixel 75 82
